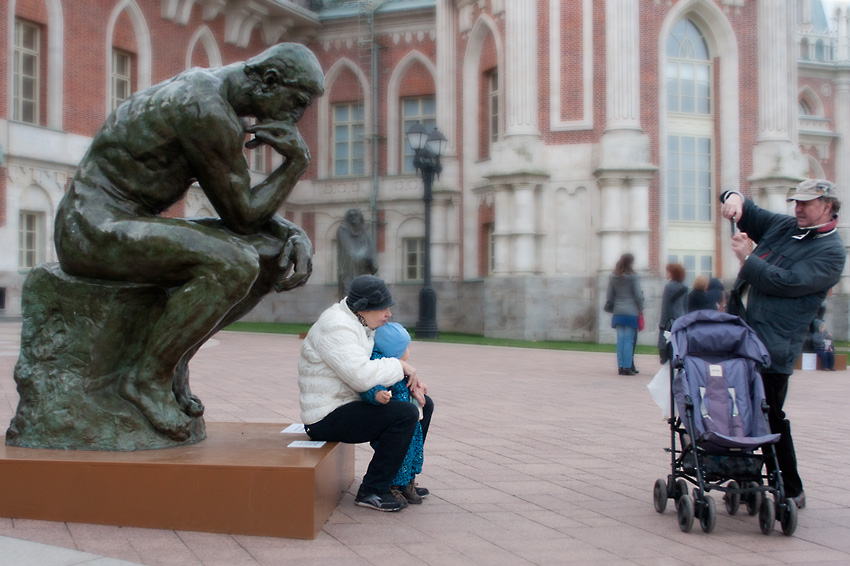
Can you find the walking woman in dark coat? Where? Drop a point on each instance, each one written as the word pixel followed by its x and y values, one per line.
pixel 625 301
pixel 672 304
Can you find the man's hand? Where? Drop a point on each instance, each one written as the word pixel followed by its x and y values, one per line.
pixel 383 396
pixel 283 137
pixel 733 207
pixel 741 245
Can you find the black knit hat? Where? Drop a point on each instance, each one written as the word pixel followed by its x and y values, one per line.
pixel 368 293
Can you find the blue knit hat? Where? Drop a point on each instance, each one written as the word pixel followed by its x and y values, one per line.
pixel 392 339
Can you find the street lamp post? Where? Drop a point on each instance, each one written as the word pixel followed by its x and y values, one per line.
pixel 427 149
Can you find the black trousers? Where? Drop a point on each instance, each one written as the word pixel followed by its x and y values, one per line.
pixel 775 391
pixel 391 426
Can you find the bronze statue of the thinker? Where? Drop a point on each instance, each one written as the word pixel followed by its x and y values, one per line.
pixel 151 149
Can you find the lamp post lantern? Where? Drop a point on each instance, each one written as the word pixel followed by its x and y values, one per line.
pixel 427 149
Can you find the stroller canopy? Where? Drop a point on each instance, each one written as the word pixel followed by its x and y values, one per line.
pixel 714 334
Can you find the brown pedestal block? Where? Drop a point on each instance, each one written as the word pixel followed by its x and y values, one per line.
pixel 243 479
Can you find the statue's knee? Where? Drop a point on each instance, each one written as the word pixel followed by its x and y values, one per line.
pixel 241 269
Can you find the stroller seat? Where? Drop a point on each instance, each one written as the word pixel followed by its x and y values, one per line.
pixel 727 398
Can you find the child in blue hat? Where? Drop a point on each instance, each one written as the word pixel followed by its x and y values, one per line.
pixel 393 341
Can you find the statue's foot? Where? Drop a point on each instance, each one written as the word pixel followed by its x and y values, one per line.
pixel 158 406
pixel 189 404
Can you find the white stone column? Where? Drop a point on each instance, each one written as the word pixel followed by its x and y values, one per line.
pixel 524 232
pixel 611 220
pixel 446 79
pixel 638 193
pixel 502 231
pixel 521 68
pixel 624 169
pixel 622 64
pixel 777 160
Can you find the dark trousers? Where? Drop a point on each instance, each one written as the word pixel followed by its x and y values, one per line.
pixel 391 426
pixel 775 390
pixel 827 359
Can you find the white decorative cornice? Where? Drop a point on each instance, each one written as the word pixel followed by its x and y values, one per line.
pixel 277 18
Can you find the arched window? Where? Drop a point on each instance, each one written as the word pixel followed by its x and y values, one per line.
pixel 688 70
pixel 690 150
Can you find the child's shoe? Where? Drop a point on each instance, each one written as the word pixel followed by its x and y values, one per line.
pixel 410 494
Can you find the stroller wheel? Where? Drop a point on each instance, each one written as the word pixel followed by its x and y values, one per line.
pixel 708 514
pixel 681 489
pixel 767 515
pixel 731 498
pixel 754 498
pixel 685 511
pixel 659 495
pixel 788 517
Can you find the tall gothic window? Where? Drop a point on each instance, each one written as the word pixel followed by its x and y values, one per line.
pixel 493 106
pixel 349 148
pixel 412 109
pixel 121 77
pixel 27 68
pixel 30 239
pixel 690 150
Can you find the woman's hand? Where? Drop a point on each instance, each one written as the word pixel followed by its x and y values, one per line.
pixel 410 374
pixel 419 393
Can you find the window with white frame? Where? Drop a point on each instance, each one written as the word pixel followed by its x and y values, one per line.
pixel 27 67
pixel 413 262
pixel 30 239
pixel 349 154
pixel 689 176
pixel 121 77
pixel 423 110
pixel 688 70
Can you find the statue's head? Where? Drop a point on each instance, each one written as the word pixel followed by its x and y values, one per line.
pixel 285 79
pixel 353 217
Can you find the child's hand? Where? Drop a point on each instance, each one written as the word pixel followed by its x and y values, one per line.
pixel 383 397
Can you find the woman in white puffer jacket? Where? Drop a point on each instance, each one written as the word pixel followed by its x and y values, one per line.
pixel 335 367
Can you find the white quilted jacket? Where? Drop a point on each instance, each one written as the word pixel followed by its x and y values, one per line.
pixel 335 368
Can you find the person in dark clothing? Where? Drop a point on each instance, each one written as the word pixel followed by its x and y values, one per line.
pixel 781 285
pixel 716 294
pixel 625 302
pixel 822 342
pixel 673 302
pixel 698 298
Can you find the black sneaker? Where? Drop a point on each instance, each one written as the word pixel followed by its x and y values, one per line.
pixel 378 501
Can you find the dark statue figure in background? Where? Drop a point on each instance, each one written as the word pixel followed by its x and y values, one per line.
pixel 356 254
pixel 174 282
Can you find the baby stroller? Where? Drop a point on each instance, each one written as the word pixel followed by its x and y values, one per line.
pixel 720 439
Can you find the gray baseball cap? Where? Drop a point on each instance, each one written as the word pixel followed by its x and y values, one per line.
pixel 811 189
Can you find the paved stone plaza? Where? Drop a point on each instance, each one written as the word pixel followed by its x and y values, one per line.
pixel 534 457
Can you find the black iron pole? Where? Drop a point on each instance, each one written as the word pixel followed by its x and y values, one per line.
pixel 426 326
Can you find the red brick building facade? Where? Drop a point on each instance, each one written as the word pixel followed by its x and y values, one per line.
pixel 577 131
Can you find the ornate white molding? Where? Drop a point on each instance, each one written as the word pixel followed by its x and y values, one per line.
pixel 277 18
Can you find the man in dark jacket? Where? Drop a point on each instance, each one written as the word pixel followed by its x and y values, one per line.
pixel 781 285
